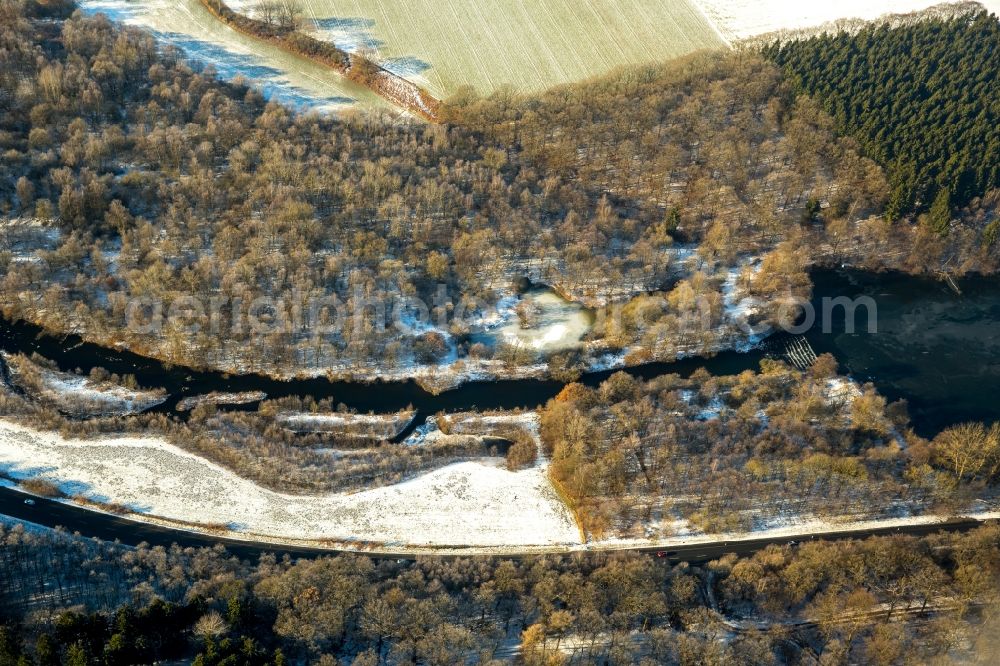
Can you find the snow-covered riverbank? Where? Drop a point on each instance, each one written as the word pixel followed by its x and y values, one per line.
pixel 362 426
pixel 76 395
pixel 466 507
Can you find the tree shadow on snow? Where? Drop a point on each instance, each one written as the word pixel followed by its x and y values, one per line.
pixel 407 66
pixel 68 487
pixel 272 82
pixel 350 34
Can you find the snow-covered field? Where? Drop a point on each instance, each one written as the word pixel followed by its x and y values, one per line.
pixel 466 504
pixel 279 75
pixel 740 19
pixel 486 44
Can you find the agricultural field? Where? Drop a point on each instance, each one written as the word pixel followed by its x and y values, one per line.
pixel 280 76
pixel 527 45
pixel 530 46
pixel 487 44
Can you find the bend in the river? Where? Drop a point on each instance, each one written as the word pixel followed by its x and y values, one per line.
pixel 936 349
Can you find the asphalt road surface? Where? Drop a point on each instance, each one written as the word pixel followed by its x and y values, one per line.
pixel 106 527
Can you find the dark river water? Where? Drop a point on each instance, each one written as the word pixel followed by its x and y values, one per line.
pixel 938 350
pixel 73 355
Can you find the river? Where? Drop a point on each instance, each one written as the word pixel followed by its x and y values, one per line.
pixel 936 349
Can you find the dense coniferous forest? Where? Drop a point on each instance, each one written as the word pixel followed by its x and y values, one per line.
pixel 923 100
pixel 887 600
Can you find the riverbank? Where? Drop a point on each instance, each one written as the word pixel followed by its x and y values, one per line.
pixel 375 396
pixel 931 347
pixel 161 482
pixel 75 395
pixel 538 335
pixel 459 529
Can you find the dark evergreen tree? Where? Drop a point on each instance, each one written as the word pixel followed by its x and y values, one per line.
pixel 922 99
pixel 939 216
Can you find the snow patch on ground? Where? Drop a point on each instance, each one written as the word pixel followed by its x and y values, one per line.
pixel 711 412
pixel 741 19
pixel 245 398
pixel 608 361
pixel 117 399
pixel 552 324
pixel 465 504
pixel 739 305
pixel 789 528
pixel 24 237
pixel 842 391
pixel 382 426
pixel 13 524
pixel 475 424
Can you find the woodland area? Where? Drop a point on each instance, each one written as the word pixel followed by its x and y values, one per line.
pixel 144 179
pixel 127 174
pixel 885 600
pixel 161 183
pixel 921 99
pixel 739 453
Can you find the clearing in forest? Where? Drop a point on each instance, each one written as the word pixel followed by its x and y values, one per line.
pixel 527 45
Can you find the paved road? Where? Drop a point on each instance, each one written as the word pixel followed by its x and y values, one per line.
pixel 130 532
pixel 707 552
